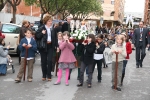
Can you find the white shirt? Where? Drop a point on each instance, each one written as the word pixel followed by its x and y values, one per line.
pixel 48 33
pixel 28 40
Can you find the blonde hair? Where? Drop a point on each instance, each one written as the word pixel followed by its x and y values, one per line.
pixel 46 18
pixel 121 37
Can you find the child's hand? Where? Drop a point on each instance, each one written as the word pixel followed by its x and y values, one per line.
pixel 84 43
pixel 120 51
pixel 8 46
pixel 29 45
pixel 24 44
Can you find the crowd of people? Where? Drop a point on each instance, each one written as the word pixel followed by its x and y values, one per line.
pixel 51 39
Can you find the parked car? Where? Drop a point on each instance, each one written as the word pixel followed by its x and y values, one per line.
pixel 11 32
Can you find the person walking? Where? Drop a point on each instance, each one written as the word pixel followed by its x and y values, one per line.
pixel 67 59
pixel 120 48
pixel 47 44
pixel 100 47
pixel 87 49
pixel 30 43
pixel 140 40
pixel 129 51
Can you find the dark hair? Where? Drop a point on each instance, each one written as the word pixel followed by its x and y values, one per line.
pixel 46 18
pixel 66 32
pixel 28 29
pixel 92 37
pixel 100 36
pixel 1 39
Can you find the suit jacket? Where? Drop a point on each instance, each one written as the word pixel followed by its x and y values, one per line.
pixel 145 37
pixel 43 37
pixel 65 27
pixel 87 53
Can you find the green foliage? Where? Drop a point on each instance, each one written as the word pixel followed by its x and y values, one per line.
pixel 78 8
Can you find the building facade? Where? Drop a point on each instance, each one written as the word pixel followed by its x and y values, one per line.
pixel 113 12
pixel 147 12
pixel 24 9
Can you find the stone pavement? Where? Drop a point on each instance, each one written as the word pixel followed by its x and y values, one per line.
pixel 136 85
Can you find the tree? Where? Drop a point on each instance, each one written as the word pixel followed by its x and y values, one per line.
pixel 2 4
pixel 14 4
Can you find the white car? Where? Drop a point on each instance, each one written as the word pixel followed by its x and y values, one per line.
pixel 11 32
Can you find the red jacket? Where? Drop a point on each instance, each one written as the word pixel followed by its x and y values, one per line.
pixel 128 49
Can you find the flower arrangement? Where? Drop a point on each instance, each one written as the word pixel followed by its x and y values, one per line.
pixel 79 34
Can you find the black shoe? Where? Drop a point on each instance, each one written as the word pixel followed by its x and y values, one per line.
pixel 99 81
pixel 119 89
pixel 89 86
pixel 79 85
pixel 137 66
pixel 113 87
pixel 141 64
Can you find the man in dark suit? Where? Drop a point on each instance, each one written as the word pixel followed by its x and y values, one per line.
pixel 140 41
pixel 66 25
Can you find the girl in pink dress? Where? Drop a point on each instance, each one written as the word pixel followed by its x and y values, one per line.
pixel 67 59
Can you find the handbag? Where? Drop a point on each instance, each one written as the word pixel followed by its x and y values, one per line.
pixel 41 44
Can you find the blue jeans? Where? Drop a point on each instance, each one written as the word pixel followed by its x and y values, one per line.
pixel 3 68
pixel 124 66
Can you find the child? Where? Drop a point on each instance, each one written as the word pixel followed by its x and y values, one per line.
pixel 107 48
pixel 67 59
pixel 87 49
pixel 118 47
pixel 3 57
pixel 100 47
pixel 27 42
pixel 129 51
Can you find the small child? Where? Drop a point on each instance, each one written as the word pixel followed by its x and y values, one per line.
pixel 27 42
pixel 3 57
pixel 118 47
pixel 67 59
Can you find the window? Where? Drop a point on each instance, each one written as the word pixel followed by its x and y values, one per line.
pixel 12 29
pixel 112 2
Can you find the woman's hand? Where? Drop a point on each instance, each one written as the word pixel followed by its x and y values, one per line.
pixel 44 31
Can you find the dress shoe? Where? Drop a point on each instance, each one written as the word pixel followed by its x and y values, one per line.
pixel 57 83
pixel 17 80
pixel 137 66
pixel 141 64
pixel 79 85
pixel 119 89
pixel 113 87
pixel 29 80
pixel 99 81
pixel 43 79
pixel 49 79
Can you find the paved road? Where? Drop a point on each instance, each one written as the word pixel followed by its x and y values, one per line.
pixel 136 85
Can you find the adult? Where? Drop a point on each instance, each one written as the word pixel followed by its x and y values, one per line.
pixel 47 43
pixel 66 25
pixel 140 39
pixel 25 25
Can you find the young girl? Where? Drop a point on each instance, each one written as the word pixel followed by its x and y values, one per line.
pixel 100 47
pixel 87 49
pixel 60 37
pixel 118 47
pixel 3 57
pixel 67 59
pixel 27 42
pixel 129 51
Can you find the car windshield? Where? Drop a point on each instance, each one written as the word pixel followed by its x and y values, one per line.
pixel 7 28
